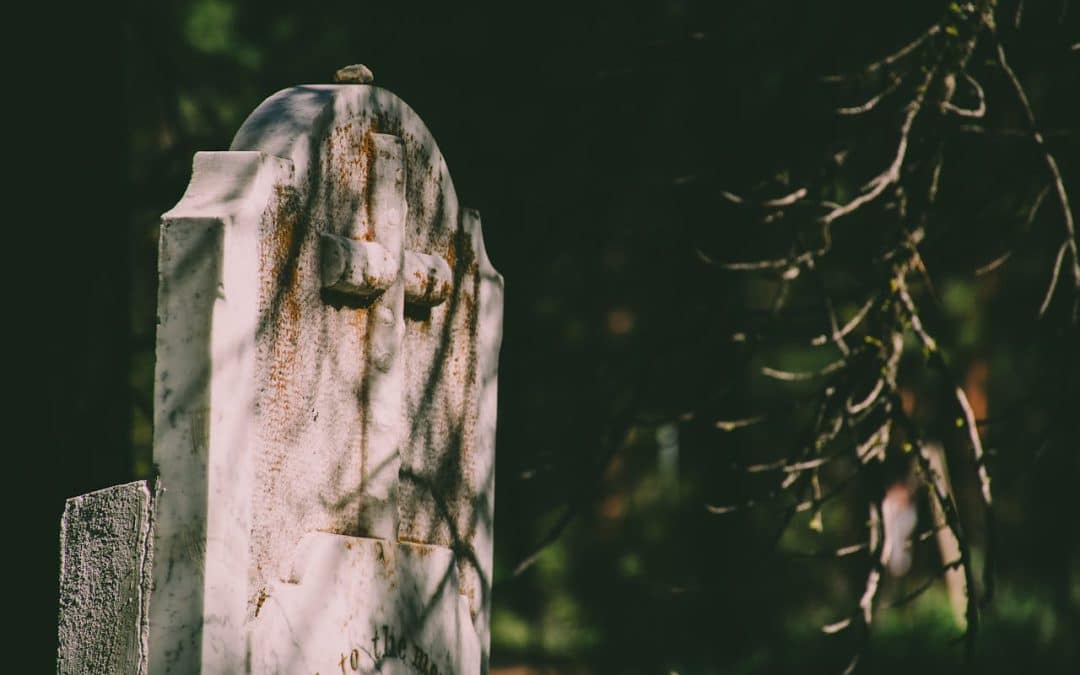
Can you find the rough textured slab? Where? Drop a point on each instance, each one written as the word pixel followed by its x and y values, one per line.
pixel 105 559
pixel 358 605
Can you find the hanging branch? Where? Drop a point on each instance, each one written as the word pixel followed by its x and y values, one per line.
pixel 945 500
pixel 862 381
pixel 937 361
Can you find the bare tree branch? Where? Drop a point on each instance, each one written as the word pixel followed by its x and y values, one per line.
pixel 801 376
pixel 872 102
pixel 974 113
pixel 839 335
pixel 891 58
pixel 1069 246
pixel 877 185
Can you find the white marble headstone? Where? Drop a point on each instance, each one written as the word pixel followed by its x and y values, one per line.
pixel 329 327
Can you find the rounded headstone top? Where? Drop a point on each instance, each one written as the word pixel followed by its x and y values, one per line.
pixel 357 73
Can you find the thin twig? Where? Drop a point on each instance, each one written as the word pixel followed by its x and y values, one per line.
pixel 974 113
pixel 871 103
pixel 891 58
pixel 935 179
pixel 877 185
pixel 782 465
pixel 802 376
pixel 551 537
pixel 994 264
pixel 768 264
pixel 905 599
pixel 732 425
pixel 854 409
pixel 614 441
pixel 842 552
pixel 1070 244
pixel 785 200
pixel 1045 304
pixel 1013 133
pixel 849 326
pixel 1000 260
pixel 830 311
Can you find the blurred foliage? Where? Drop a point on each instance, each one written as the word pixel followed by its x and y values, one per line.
pixel 595 139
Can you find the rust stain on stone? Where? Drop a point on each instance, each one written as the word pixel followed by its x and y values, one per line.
pixel 281 316
pixel 361 319
pixel 263 595
pixel 364 156
pixel 451 256
pixel 421 549
pixel 281 244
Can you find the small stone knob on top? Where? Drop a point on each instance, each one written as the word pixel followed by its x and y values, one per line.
pixel 357 73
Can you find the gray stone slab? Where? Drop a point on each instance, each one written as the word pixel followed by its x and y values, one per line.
pixel 105 560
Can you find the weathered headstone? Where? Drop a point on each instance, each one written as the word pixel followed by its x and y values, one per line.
pixel 329 327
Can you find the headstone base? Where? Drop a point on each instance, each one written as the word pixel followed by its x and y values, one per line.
pixel 358 605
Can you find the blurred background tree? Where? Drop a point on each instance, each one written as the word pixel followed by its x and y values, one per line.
pixel 621 155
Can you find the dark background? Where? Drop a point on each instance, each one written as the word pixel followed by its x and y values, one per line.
pixel 593 138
